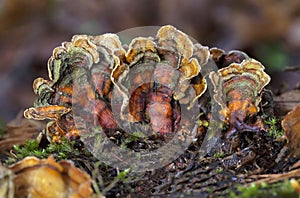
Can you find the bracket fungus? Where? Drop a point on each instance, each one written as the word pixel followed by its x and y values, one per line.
pixel 32 177
pixel 157 76
pixel 291 127
pixel 237 89
pixel 151 78
pixel 69 69
pixel 140 95
pixel 223 59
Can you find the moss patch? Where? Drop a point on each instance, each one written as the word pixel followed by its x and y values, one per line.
pixel 281 189
pixel 59 151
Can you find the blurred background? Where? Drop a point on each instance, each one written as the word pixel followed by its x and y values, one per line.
pixel 268 30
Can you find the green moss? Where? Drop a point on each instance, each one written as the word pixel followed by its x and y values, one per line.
pixel 135 136
pixel 121 177
pixel 219 170
pixel 31 148
pixel 281 189
pixel 274 127
pixel 219 155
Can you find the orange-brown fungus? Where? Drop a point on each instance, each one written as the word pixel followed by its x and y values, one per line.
pixel 158 76
pixel 237 90
pixel 47 179
pixel 291 126
pixel 80 75
pixel 152 77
